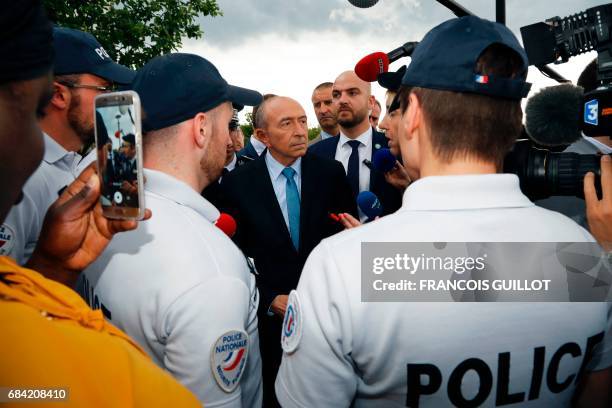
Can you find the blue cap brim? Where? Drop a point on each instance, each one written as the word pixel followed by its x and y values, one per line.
pixel 114 72
pixel 242 96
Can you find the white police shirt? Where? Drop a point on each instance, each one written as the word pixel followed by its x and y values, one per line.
pixel 387 354
pixel 22 226
pixel 180 288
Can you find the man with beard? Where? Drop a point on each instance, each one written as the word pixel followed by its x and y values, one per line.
pixel 178 285
pixel 82 70
pixel 324 108
pixel 358 141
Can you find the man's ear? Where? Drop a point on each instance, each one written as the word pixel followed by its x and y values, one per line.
pixel 201 129
pixel 371 102
pixel 262 136
pixel 61 97
pixel 414 120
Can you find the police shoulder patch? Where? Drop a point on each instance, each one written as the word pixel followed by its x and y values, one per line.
pixel 228 358
pixel 292 324
pixel 7 239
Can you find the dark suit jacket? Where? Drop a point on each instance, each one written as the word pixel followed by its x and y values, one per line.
pixel 248 151
pixel 262 234
pixel 389 196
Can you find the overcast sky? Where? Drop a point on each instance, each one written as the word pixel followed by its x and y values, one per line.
pixel 287 47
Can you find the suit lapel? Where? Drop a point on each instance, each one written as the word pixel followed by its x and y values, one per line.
pixel 268 197
pixel 307 196
pixel 379 141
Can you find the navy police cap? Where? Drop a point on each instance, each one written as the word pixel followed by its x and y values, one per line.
pixel 78 52
pixel 175 87
pixel 446 59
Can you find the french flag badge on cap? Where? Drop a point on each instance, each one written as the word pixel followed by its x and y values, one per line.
pixel 482 79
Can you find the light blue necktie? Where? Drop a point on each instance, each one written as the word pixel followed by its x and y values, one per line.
pixel 293 206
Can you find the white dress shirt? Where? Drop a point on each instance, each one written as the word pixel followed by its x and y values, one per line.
pixel 279 182
pixel 21 228
pixel 258 145
pixel 343 152
pixel 325 135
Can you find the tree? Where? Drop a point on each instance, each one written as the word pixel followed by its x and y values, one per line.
pixel 134 31
pixel 313 132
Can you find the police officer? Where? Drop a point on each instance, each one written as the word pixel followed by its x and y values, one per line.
pixel 459 119
pixel 82 70
pixel 178 285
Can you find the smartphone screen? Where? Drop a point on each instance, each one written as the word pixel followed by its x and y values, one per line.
pixel 118 141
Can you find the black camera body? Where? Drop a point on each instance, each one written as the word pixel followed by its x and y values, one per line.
pixel 557 39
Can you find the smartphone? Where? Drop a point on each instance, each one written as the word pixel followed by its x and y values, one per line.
pixel 119 146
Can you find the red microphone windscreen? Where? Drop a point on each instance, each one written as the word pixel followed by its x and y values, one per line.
pixel 227 224
pixel 371 65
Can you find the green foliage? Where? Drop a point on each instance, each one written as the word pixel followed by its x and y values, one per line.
pixel 134 31
pixel 313 132
pixel 247 130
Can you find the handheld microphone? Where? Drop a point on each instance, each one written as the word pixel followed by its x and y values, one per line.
pixel 227 224
pixel 384 160
pixel 370 66
pixel 553 115
pixel 369 204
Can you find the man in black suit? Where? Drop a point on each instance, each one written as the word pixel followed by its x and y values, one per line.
pixel 358 141
pixel 282 203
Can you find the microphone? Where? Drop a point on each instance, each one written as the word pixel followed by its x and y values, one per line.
pixel 553 115
pixel 370 66
pixel 369 204
pixel 384 160
pixel 363 3
pixel 227 224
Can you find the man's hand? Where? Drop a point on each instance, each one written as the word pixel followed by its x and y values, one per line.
pixel 348 221
pixel 599 212
pixel 279 305
pixel 398 177
pixel 75 232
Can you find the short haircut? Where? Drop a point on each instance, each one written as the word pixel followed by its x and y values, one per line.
pixel 323 85
pixel 588 77
pixel 473 125
pixel 259 120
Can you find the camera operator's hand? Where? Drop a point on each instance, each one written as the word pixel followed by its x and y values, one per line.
pixel 599 212
pixel 398 177
pixel 75 232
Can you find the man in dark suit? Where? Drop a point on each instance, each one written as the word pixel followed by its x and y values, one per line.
pixel 358 141
pixel 323 105
pixel 282 203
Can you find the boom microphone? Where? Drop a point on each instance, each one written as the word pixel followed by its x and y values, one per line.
pixel 363 3
pixel 553 115
pixel 384 160
pixel 227 224
pixel 369 204
pixel 370 66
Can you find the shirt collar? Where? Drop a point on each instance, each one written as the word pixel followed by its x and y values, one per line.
pixel 325 135
pixel 605 149
pixel 465 192
pixel 175 190
pixel 53 151
pixel 365 138
pixel 231 165
pixel 258 145
pixel 275 168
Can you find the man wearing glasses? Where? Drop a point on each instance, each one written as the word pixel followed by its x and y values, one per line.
pixel 82 70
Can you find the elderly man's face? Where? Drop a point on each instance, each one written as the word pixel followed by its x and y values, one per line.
pixel 286 129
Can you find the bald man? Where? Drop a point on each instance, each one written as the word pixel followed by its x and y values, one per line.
pixel 358 141
pixel 282 203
